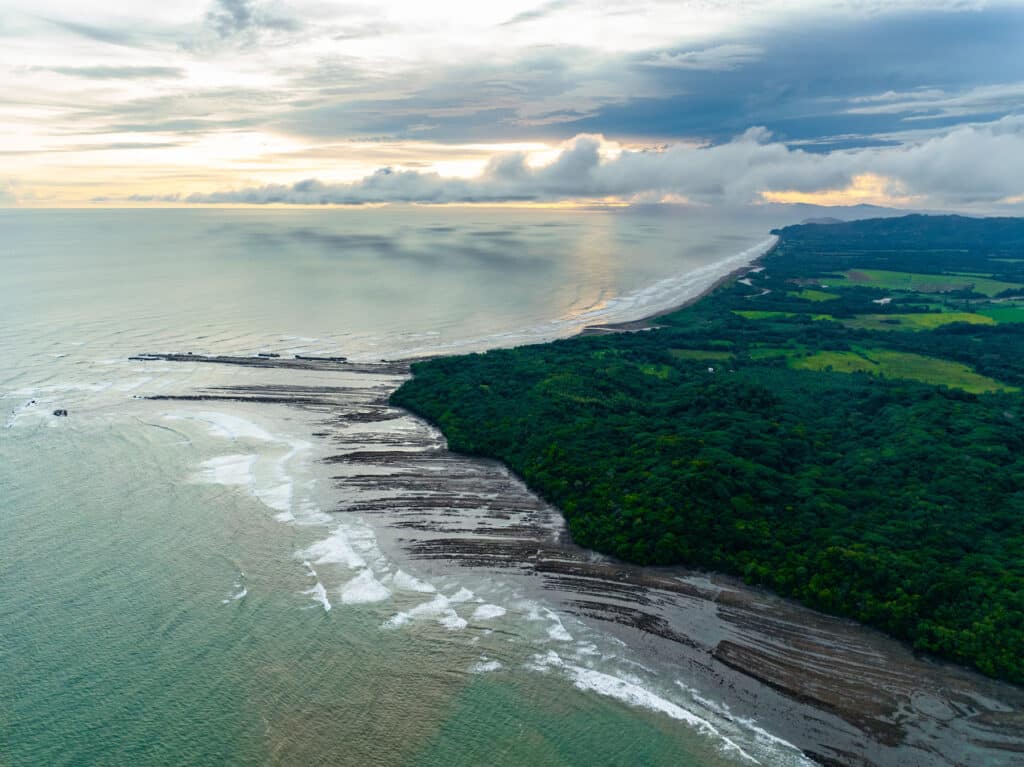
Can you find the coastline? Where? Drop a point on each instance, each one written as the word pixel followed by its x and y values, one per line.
pixel 835 691
pixel 828 688
pixel 649 322
pixel 844 692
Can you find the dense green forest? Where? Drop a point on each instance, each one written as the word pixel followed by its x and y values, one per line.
pixel 844 425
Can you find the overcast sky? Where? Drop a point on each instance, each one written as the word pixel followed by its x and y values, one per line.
pixel 913 103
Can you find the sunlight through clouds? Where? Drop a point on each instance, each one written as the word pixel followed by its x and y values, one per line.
pixel 170 102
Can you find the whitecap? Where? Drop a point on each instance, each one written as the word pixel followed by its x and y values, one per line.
pixel 487 612
pixel 335 549
pixel 402 580
pixel 460 596
pixel 631 693
pixel 485 666
pixel 556 630
pixel 319 594
pixel 439 608
pixel 363 589
pixel 235 597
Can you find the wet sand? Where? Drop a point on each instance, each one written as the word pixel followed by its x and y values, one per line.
pixel 651 321
pixel 842 693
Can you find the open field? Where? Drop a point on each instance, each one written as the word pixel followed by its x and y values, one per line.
pixel 1004 314
pixel 817 296
pixel 922 283
pixel 893 364
pixel 919 321
pixel 759 315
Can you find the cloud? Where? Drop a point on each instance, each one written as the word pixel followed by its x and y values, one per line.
pixel 229 18
pixel 117 73
pixel 99 147
pixel 935 102
pixel 99 34
pixel 542 10
pixel 970 165
pixel 717 58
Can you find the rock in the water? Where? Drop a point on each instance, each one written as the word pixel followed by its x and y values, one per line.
pixel 60 411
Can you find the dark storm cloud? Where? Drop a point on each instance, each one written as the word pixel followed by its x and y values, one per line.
pixel 809 82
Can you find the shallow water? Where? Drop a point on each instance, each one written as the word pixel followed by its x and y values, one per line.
pixel 175 586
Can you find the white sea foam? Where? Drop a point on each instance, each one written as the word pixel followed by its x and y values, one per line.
pixel 319 594
pixel 335 549
pixel 225 425
pixel 462 595
pixel 628 691
pixel 236 596
pixel 402 580
pixel 364 589
pixel 228 470
pixel 556 630
pixel 487 612
pixel 485 666
pixel 439 608
pixel 277 496
pixel 264 476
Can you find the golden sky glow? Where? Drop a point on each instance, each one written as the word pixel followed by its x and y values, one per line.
pixel 514 101
pixel 866 189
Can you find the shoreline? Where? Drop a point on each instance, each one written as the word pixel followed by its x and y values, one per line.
pixel 838 692
pixel 648 322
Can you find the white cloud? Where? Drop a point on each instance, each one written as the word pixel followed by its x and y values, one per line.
pixel 933 102
pixel 716 58
pixel 968 166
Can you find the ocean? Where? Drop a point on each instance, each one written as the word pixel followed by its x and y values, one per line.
pixel 180 581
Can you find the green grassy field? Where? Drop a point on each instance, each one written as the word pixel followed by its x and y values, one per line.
pixel 915 321
pixel 817 296
pixel 1004 314
pixel 758 315
pixel 921 283
pixel 893 364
